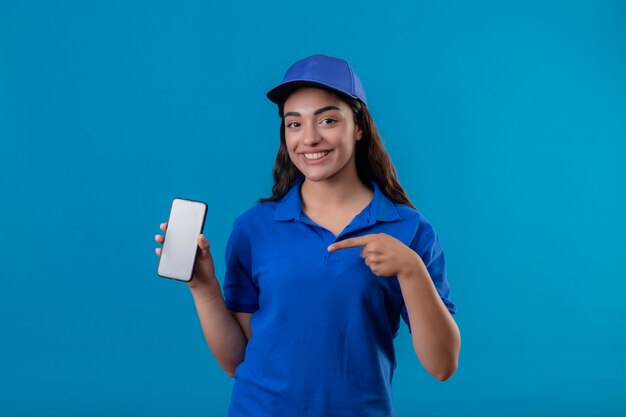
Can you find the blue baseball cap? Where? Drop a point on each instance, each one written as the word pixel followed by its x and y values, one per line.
pixel 319 71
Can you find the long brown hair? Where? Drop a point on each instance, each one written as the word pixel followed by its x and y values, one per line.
pixel 371 158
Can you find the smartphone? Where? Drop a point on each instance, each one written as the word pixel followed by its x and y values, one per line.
pixel 180 243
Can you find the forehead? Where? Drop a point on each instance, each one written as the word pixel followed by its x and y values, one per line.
pixel 304 99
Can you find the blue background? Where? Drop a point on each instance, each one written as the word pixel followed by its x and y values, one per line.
pixel 506 123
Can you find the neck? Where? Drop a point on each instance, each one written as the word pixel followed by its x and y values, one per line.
pixel 335 192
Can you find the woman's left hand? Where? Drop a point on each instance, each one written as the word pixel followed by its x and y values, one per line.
pixel 385 255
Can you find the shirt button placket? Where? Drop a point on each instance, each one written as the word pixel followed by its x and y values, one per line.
pixel 327 239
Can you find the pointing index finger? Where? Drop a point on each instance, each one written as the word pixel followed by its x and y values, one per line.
pixel 350 243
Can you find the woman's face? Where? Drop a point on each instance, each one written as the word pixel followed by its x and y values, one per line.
pixel 320 133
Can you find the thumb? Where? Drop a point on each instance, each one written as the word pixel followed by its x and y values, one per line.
pixel 203 243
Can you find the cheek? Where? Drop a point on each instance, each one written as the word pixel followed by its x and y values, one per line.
pixel 347 145
pixel 290 144
pixel 290 139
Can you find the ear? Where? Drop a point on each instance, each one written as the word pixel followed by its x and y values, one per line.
pixel 358 133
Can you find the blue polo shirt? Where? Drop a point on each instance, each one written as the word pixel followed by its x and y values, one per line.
pixel 323 324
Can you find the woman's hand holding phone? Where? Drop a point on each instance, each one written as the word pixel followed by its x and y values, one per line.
pixel 204 271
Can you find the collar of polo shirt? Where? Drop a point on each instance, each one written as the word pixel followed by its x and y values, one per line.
pixel 380 209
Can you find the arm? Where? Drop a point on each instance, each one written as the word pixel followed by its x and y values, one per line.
pixel 226 333
pixel 435 334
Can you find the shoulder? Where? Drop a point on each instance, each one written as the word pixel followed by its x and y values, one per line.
pixel 256 216
pixel 249 226
pixel 423 230
pixel 409 214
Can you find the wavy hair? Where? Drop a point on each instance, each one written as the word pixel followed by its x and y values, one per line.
pixel 371 158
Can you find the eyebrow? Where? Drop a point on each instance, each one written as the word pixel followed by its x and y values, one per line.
pixel 318 111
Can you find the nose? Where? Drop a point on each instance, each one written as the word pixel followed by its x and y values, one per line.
pixel 311 135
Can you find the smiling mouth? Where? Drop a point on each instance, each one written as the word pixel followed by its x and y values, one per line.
pixel 315 155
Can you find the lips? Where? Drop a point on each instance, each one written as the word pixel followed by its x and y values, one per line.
pixel 316 157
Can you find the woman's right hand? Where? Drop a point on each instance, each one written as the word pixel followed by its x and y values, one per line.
pixel 204 271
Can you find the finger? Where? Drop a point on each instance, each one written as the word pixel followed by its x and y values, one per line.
pixel 158 251
pixel 159 238
pixel 350 243
pixel 163 226
pixel 204 244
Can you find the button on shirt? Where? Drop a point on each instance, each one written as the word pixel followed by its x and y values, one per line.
pixel 323 323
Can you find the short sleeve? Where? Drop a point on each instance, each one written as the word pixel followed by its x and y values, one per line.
pixel 427 245
pixel 241 293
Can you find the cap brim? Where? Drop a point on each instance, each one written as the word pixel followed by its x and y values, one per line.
pixel 280 93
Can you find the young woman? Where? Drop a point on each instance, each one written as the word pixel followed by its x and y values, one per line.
pixel 319 274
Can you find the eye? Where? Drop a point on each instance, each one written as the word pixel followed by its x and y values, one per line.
pixel 293 124
pixel 327 121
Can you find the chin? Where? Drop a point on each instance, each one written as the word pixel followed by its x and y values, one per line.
pixel 318 177
pixel 314 178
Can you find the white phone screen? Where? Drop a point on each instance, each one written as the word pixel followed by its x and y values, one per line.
pixel 180 245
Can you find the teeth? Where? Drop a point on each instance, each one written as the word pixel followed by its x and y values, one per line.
pixel 317 155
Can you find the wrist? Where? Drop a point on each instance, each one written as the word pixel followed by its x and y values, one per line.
pixel 411 270
pixel 204 293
